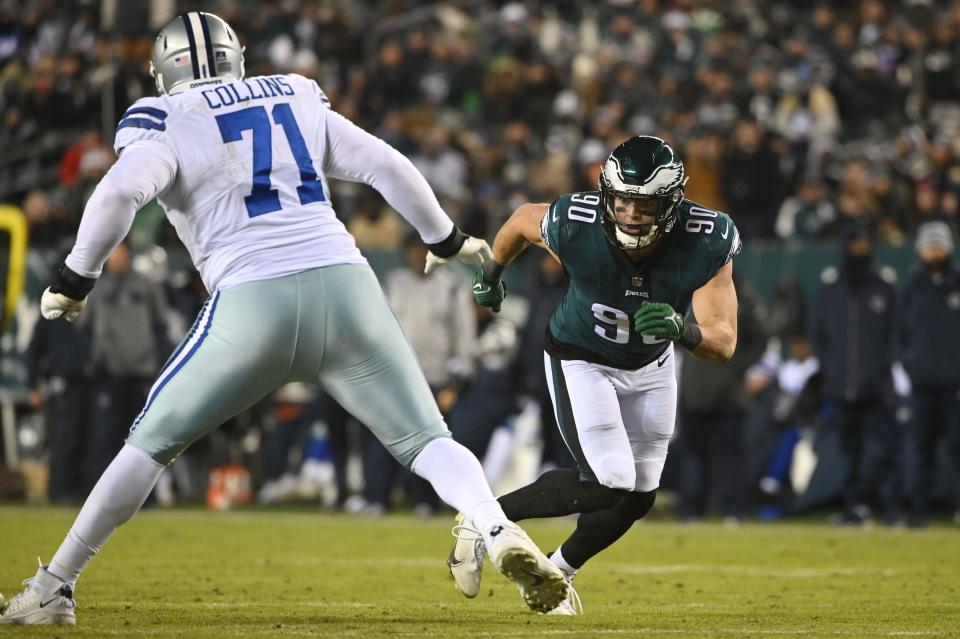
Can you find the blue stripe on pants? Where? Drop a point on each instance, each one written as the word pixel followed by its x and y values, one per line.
pixel 173 366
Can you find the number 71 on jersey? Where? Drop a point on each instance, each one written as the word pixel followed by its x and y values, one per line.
pixel 264 199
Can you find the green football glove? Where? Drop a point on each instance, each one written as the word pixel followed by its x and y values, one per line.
pixel 656 319
pixel 487 294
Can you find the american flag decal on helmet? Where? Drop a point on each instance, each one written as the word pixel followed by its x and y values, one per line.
pixel 181 60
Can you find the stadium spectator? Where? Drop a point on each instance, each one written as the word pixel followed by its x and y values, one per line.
pixel 858 97
pixel 807 215
pixel 830 80
pixel 854 336
pixel 930 342
pixel 713 406
pixel 437 315
pixel 752 180
pixel 127 315
pixel 337 421
pixel 374 224
pixel 57 361
pixel 489 398
pixel 88 152
pixel 789 388
pixel 551 286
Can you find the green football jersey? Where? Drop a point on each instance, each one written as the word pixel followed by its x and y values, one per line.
pixel 594 322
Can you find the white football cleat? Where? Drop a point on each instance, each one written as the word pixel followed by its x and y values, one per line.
pixel 466 558
pixel 541 582
pixel 571 606
pixel 38 608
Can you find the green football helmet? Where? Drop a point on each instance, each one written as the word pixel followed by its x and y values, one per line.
pixel 644 168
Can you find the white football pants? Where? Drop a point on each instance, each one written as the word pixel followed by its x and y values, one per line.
pixel 616 423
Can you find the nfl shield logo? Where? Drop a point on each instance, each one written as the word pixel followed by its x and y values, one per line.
pixel 636 280
pixel 220 56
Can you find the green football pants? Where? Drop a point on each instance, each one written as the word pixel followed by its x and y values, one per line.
pixel 330 326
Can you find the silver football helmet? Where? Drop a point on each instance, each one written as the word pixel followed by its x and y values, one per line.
pixel 195 46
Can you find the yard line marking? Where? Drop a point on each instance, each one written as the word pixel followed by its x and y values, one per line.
pixel 737 632
pixel 233 604
pixel 636 568
pixel 414 562
pixel 311 630
pixel 749 570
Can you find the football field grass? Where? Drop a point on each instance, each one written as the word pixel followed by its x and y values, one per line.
pixel 192 573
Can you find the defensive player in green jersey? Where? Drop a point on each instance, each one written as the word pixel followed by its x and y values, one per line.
pixel 647 269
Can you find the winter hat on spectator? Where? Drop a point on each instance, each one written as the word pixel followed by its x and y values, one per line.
pixel 513 12
pixel 854 231
pixel 935 233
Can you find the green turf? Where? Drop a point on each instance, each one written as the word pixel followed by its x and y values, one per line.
pixel 282 574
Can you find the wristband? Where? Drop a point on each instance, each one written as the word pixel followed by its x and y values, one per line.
pixel 450 245
pixel 492 271
pixel 692 338
pixel 72 285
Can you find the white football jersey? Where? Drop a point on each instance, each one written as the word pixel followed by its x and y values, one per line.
pixel 250 200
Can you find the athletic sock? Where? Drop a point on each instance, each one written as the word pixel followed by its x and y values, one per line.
pixel 118 495
pixel 598 530
pixel 558 493
pixel 457 476
pixel 557 558
pixel 45 582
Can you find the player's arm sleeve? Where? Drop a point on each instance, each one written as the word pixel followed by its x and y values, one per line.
pixel 145 170
pixel 357 156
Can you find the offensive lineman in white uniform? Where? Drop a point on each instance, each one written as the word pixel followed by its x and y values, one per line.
pixel 240 167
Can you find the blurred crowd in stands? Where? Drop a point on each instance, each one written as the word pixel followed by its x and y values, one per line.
pixel 793 116
pixel 829 122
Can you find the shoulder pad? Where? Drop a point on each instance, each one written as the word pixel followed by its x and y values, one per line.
pixel 145 120
pixel 146 113
pixel 830 275
pixel 568 216
pixel 714 229
pixel 311 85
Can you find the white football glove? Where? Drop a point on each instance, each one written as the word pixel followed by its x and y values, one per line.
pixel 474 252
pixel 55 305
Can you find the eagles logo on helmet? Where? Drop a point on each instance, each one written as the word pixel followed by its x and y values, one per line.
pixel 643 168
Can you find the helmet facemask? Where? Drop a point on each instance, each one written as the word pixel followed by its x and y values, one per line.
pixel 645 170
pixel 631 236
